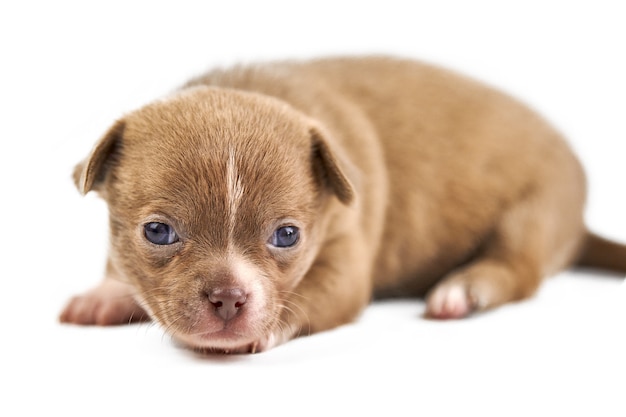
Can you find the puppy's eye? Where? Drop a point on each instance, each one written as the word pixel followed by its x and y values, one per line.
pixel 160 233
pixel 285 236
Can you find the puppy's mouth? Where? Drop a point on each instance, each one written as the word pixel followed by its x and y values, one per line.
pixel 223 339
pixel 227 339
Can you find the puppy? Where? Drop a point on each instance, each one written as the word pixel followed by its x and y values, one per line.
pixel 265 202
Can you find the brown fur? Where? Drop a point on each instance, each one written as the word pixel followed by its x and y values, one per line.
pixel 404 179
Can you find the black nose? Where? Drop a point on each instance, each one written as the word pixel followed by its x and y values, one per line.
pixel 227 301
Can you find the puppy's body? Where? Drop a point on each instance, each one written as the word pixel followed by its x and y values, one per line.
pixel 399 179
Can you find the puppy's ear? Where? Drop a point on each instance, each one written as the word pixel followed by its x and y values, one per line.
pixel 90 173
pixel 329 167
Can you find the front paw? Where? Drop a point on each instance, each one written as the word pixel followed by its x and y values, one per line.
pixel 110 303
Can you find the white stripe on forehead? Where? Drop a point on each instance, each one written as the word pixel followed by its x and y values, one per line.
pixel 235 192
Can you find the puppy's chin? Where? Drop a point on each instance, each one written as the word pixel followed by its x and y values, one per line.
pixel 240 335
pixel 222 341
pixel 227 342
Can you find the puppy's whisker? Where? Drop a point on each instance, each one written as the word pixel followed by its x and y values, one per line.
pixel 294 294
pixel 286 301
pixel 303 318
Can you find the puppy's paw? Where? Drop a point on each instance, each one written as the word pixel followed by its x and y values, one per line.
pixel 449 301
pixel 110 303
pixel 478 288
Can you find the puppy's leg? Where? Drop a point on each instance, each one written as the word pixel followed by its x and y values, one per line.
pixel 109 303
pixel 537 236
pixel 486 283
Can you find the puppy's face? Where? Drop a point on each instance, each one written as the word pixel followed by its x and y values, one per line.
pixel 215 200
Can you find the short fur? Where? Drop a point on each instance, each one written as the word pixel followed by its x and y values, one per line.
pixel 404 179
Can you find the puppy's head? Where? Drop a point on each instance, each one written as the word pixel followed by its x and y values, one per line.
pixel 216 201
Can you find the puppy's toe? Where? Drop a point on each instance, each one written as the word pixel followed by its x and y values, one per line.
pixel 449 301
pixel 102 307
pixel 78 310
pixel 87 310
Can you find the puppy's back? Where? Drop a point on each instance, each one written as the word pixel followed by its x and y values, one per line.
pixel 453 153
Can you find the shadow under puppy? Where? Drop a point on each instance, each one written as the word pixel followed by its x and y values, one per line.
pixel 265 202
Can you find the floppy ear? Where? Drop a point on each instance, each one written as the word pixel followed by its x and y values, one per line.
pixel 90 173
pixel 330 168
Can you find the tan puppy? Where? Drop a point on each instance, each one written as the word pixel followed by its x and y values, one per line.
pixel 263 203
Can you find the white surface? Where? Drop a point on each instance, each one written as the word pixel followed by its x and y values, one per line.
pixel 69 69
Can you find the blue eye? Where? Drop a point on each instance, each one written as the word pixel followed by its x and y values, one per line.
pixel 160 233
pixel 285 236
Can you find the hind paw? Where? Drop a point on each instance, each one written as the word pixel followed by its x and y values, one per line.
pixel 449 301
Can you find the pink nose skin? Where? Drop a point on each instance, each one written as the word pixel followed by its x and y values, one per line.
pixel 227 301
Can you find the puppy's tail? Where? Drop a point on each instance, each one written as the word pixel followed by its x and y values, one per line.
pixel 600 253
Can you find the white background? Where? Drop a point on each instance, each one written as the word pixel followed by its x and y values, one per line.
pixel 68 69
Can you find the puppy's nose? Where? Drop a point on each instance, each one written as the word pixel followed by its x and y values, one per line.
pixel 227 301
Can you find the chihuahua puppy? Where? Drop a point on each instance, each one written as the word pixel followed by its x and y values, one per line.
pixel 265 202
